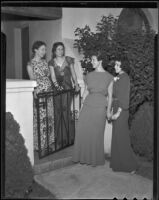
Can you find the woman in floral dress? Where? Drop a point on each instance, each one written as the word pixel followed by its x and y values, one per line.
pixel 38 70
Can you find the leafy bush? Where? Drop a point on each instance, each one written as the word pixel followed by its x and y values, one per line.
pixel 18 169
pixel 137 48
pixel 142 131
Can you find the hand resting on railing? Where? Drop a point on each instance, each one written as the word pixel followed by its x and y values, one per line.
pixel 58 87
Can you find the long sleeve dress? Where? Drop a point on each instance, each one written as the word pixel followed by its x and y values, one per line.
pixel 89 138
pixel 122 155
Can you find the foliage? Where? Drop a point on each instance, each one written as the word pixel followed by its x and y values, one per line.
pixel 142 131
pixel 140 55
pixel 18 169
pixel 39 192
pixel 136 47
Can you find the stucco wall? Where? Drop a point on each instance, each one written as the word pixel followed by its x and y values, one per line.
pixel 57 30
pixel 47 31
pixel 79 17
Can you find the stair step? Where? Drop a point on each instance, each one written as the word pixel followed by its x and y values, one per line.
pixel 52 165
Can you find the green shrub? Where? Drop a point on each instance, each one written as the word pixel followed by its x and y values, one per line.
pixel 137 47
pixel 18 169
pixel 142 131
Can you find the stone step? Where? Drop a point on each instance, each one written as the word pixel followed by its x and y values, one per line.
pixel 52 165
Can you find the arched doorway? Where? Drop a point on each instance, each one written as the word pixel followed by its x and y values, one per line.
pixel 131 19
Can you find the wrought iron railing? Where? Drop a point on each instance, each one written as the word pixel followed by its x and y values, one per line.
pixel 56 117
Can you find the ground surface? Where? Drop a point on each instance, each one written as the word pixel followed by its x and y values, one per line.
pixel 82 181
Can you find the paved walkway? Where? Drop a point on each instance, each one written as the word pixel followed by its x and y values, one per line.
pixel 82 181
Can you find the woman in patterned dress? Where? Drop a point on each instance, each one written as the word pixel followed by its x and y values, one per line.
pixel 38 70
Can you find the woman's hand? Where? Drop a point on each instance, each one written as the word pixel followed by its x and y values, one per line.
pixel 82 101
pixel 77 88
pixel 115 116
pixel 109 114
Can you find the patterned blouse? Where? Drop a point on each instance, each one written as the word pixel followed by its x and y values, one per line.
pixel 42 75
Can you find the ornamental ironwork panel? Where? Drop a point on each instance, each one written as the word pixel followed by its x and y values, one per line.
pixel 56 119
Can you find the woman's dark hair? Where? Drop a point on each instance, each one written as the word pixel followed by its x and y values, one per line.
pixel 54 47
pixel 124 63
pixel 37 45
pixel 98 55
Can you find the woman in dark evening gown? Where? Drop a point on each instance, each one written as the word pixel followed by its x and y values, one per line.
pixel 63 76
pixel 89 138
pixel 122 155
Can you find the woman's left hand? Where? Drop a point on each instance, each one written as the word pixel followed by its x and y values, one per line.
pixel 109 115
pixel 115 116
pixel 77 88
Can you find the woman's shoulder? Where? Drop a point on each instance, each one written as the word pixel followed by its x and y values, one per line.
pixel 51 62
pixel 125 76
pixel 109 75
pixel 31 63
pixel 89 74
pixel 69 59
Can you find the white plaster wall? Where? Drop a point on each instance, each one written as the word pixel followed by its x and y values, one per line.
pixel 47 31
pixel 19 101
pixel 79 17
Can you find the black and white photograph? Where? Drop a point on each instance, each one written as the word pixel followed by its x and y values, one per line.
pixel 79 100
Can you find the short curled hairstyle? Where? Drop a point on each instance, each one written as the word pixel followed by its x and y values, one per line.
pixel 37 45
pixel 98 55
pixel 124 63
pixel 54 47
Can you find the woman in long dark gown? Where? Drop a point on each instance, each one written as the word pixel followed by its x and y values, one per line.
pixel 122 155
pixel 89 138
pixel 63 76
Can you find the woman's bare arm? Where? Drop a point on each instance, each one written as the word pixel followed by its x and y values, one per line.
pixel 53 77
pixel 110 94
pixel 30 72
pixel 31 76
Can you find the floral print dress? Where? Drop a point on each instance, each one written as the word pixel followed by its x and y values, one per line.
pixel 42 75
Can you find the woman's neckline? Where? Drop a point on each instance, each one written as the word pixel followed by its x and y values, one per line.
pixel 100 71
pixel 58 63
pixel 40 60
pixel 121 74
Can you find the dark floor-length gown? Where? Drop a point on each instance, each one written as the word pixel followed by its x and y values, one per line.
pixel 89 138
pixel 122 155
pixel 64 126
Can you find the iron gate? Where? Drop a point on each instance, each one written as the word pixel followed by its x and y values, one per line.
pixel 56 118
